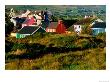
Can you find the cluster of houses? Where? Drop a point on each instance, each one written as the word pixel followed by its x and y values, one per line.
pixel 40 21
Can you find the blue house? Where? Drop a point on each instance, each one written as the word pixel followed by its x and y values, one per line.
pixel 98 27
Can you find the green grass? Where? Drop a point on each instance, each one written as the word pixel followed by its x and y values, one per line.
pixel 56 52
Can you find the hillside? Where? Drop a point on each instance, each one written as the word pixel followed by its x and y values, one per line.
pixel 56 51
pixel 71 11
pixel 64 51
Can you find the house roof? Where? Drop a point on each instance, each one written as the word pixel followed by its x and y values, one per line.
pixel 53 25
pixel 28 20
pixel 99 25
pixel 20 20
pixel 84 21
pixel 44 24
pixel 28 29
pixel 69 23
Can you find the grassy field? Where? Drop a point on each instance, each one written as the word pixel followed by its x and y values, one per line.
pixel 56 52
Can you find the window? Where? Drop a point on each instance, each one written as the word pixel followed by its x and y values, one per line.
pixel 79 26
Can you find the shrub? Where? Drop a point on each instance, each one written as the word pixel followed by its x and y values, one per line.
pixel 8 46
pixel 19 46
pixel 83 43
pixel 86 30
pixel 101 36
pixel 65 41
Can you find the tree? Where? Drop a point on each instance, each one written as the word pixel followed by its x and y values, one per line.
pixel 8 24
pixel 54 18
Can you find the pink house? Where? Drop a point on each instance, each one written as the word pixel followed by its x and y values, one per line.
pixel 28 22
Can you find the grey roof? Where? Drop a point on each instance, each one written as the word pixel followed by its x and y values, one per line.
pixel 53 25
pixel 28 30
pixel 99 25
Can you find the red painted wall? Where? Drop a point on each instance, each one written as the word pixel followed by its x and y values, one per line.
pixel 61 27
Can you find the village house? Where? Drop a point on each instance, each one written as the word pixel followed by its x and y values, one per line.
pixel 79 25
pixel 52 27
pixel 29 30
pixel 56 27
pixel 98 27
pixel 29 20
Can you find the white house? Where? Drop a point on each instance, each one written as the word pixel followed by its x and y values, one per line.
pixel 78 25
pixel 77 28
pixel 97 25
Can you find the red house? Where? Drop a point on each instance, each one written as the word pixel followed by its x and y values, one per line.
pixel 61 27
pixel 56 27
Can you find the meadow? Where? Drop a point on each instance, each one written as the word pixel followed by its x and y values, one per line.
pixel 49 51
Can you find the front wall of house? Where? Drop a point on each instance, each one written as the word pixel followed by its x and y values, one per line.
pixel 77 28
pixel 98 30
pixel 20 35
pixel 51 30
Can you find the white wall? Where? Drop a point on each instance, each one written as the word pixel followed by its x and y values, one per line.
pixel 77 28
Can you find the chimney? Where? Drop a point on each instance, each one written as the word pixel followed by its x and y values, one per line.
pixel 59 21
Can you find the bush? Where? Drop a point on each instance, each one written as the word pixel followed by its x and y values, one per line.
pixel 83 43
pixel 86 30
pixel 101 36
pixel 19 46
pixel 65 41
pixel 39 35
pixel 8 46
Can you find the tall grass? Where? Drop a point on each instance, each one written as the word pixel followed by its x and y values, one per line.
pixel 55 51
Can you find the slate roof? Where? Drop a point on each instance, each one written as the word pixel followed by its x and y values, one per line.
pixel 44 24
pixel 69 23
pixel 26 21
pixel 20 20
pixel 28 29
pixel 53 25
pixel 99 25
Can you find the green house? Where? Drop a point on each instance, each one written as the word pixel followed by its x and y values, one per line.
pixel 29 30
